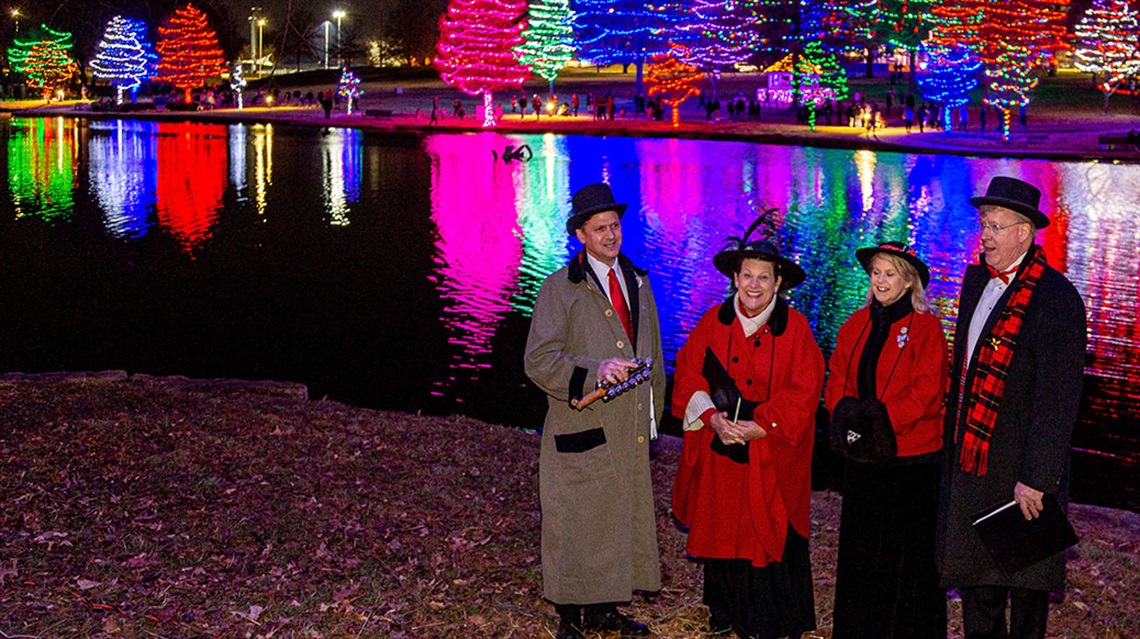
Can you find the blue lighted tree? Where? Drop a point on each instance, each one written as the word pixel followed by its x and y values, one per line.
pixel 627 32
pixel 125 57
pixel 949 77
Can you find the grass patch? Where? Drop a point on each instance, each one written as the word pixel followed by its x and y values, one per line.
pixel 168 507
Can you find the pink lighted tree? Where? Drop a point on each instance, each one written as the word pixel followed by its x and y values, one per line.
pixel 477 47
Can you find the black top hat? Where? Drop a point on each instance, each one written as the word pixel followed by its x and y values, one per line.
pixel 1015 195
pixel 865 255
pixel 590 200
pixel 728 261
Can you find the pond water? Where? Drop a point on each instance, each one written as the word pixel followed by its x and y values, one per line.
pixel 399 271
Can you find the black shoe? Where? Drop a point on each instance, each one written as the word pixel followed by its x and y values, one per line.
pixel 568 630
pixel 613 620
pixel 570 621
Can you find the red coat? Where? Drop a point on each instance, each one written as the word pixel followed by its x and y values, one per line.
pixel 742 511
pixel 914 390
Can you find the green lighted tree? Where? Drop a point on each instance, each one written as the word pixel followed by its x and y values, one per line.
pixel 43 57
pixel 548 39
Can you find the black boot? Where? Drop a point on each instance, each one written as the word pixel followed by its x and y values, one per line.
pixel 569 621
pixel 605 617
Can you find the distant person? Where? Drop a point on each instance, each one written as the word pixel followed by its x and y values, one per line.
pixel 327 105
pixel 923 112
pixel 574 103
pixel 982 118
pixel 890 99
pixel 522 106
pixel 963 117
pixel 908 117
pixel 455 108
pixel 1015 387
pixel 434 111
pixel 536 104
pixel 599 527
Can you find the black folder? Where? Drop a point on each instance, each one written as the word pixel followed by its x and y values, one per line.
pixel 726 397
pixel 1015 543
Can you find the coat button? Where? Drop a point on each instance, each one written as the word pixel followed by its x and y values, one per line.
pixel 735 359
pixel 641 439
pixel 620 344
pixel 609 312
pixel 749 382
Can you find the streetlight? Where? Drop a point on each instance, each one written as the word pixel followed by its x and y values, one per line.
pixel 260 49
pixel 16 17
pixel 326 44
pixel 338 14
pixel 254 17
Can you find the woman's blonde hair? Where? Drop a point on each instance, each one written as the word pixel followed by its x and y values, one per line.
pixel 910 275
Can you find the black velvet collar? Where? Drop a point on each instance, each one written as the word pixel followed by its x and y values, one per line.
pixel 892 313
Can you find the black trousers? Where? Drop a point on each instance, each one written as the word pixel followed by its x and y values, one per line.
pixel 983 612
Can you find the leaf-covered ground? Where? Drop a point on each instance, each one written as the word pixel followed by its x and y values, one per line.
pixel 167 507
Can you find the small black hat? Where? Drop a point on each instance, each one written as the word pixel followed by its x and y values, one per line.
pixel 590 200
pixel 728 261
pixel 865 255
pixel 1015 195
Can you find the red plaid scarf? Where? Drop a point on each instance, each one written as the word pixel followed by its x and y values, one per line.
pixel 994 356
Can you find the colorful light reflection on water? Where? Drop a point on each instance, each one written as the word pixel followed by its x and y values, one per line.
pixel 497 229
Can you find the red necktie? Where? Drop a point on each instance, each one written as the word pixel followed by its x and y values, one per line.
pixel 1001 275
pixel 618 300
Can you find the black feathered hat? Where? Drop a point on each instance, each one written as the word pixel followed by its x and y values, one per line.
pixel 740 248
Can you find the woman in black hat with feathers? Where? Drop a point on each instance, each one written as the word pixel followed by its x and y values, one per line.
pixel 747 383
pixel 887 379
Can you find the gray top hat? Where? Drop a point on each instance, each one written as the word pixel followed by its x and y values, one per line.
pixel 1015 195
pixel 590 200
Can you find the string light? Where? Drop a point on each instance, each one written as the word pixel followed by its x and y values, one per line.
pixel 950 75
pixel 349 88
pixel 673 80
pixel 1108 44
pixel 237 83
pixel 548 41
pixel 188 50
pixel 124 56
pixel 477 47
pixel 43 57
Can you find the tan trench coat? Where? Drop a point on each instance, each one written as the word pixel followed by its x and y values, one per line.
pixel 599 532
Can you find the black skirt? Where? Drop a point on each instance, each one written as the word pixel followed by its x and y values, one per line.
pixel 886 583
pixel 763 603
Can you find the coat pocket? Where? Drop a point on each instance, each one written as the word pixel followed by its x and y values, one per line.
pixel 581 441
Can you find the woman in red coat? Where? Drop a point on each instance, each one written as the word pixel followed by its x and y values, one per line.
pixel 889 367
pixel 747 383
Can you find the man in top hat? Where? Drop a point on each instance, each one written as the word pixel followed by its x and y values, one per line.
pixel 599 530
pixel 1015 384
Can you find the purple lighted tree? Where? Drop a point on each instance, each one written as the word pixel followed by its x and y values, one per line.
pixel 724 32
pixel 478 42
pixel 1108 44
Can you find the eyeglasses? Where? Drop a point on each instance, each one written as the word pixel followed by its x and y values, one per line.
pixel 996 228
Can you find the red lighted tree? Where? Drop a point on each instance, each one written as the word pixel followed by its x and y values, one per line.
pixel 673 80
pixel 477 47
pixel 188 50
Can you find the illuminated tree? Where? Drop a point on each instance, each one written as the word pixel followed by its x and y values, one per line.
pixel 237 83
pixel 477 48
pixel 43 57
pixel 124 57
pixel 725 32
pixel 1014 39
pixel 1108 44
pixel 673 80
pixel 950 76
pixel 349 88
pixel 627 32
pixel 188 50
pixel 819 77
pixel 548 41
